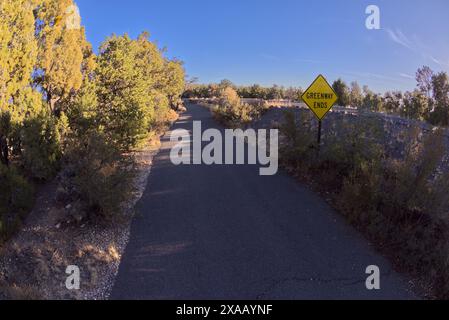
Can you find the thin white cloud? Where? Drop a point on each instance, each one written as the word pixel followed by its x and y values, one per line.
pixel 406 76
pixel 378 78
pixel 439 62
pixel 415 45
pixel 400 38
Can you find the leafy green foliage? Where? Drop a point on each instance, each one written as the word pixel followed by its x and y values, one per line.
pixel 429 102
pixel 355 95
pixel 299 143
pixel 16 199
pixel 47 71
pixel 440 88
pixel 134 80
pixel 246 92
pixel 231 111
pixel 125 106
pixel 41 139
pixel 62 43
pixel 371 102
pixel 401 203
pixel 98 174
pixel 18 49
pixel 415 105
pixel 342 91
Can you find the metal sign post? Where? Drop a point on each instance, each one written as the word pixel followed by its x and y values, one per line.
pixel 320 98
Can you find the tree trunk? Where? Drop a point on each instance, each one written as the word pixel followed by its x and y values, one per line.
pixel 4 152
pixel 52 100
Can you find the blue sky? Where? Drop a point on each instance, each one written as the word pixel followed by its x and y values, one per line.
pixel 287 42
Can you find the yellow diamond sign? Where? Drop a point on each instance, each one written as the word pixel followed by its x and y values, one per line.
pixel 320 97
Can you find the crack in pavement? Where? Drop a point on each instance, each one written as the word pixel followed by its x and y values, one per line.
pixel 349 282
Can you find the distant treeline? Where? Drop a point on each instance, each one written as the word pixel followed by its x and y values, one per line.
pixel 247 92
pixel 428 102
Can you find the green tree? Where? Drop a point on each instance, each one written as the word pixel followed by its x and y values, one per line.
pixel 440 88
pixel 174 81
pixel 225 83
pixel 132 82
pixel 18 53
pixel 62 43
pixel 124 105
pixel 424 80
pixel 372 102
pixel 18 48
pixel 355 95
pixel 41 142
pixel 342 91
pixel 392 102
pixel 275 93
pixel 257 92
pixel 415 105
pixel 293 94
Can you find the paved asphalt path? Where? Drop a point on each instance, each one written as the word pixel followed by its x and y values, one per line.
pixel 224 232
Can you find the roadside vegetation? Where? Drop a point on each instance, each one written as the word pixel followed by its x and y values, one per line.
pixel 66 112
pixel 231 111
pixel 401 203
pixel 428 102
pixel 210 91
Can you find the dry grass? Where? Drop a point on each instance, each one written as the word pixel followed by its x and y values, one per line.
pixel 400 204
pixel 16 292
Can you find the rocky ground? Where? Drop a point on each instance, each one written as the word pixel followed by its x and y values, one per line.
pixel 394 129
pixel 33 263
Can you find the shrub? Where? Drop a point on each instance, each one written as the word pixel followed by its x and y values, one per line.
pixel 350 148
pixel 97 174
pixel 411 180
pixel 402 203
pixel 164 119
pixel 134 82
pixel 41 141
pixel 232 112
pixel 299 142
pixel 16 200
